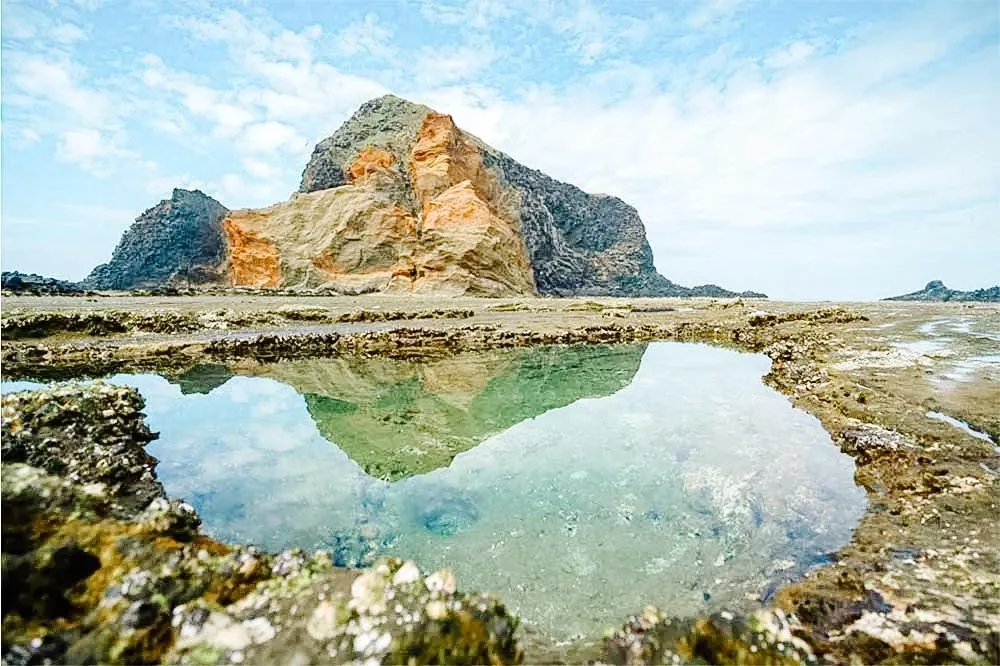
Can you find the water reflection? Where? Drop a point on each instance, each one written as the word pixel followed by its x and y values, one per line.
pixel 614 477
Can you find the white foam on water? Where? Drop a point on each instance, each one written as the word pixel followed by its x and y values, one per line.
pixel 961 425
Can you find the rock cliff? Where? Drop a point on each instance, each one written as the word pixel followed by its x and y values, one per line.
pixel 400 199
pixel 936 291
pixel 179 240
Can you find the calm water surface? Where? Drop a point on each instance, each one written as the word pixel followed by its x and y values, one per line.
pixel 580 484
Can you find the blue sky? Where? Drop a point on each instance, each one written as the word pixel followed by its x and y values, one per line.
pixel 808 149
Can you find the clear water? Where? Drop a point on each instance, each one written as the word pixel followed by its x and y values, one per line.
pixel 585 482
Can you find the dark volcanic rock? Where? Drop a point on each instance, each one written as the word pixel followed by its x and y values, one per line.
pixel 29 283
pixel 177 241
pixel 936 291
pixel 577 243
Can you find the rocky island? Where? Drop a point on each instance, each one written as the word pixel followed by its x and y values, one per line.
pixel 936 291
pixel 400 200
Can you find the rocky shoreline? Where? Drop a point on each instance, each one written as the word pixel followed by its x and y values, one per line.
pixel 919 581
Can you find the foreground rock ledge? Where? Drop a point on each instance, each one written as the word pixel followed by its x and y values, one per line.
pixel 88 577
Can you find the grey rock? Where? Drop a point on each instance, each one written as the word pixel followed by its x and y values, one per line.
pixel 936 291
pixel 177 241
pixel 30 283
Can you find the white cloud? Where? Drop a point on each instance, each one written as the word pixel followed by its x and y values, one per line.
pixel 202 101
pixel 441 66
pixel 260 169
pixel 717 14
pixel 477 14
pixel 67 33
pixel 270 137
pixel 56 83
pixel 794 54
pixel 367 36
pixel 92 150
pixel 30 136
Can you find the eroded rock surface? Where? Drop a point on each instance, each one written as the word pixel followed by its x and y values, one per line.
pixel 177 241
pixel 399 199
pixel 90 576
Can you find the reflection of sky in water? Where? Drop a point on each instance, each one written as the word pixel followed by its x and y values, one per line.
pixel 695 480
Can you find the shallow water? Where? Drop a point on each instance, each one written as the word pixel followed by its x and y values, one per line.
pixel 578 483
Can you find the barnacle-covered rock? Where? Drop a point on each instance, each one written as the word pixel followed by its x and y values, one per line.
pixel 388 614
pixel 90 433
pixel 766 637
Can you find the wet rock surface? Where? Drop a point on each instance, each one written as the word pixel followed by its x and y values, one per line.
pixel 918 583
pixel 91 578
pixel 40 324
pixel 91 434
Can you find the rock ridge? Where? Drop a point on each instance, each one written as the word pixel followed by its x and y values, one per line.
pixel 400 199
pixel 936 291
pixel 179 240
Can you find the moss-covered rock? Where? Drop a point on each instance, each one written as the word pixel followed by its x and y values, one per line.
pixel 90 577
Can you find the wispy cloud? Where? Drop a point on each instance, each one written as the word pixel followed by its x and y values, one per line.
pixel 783 142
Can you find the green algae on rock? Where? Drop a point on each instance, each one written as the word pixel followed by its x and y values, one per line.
pixel 90 577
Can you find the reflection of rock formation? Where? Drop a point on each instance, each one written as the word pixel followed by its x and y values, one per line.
pixel 202 378
pixel 397 418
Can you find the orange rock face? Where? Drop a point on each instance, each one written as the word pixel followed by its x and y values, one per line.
pixel 440 158
pixel 466 248
pixel 370 162
pixel 434 225
pixel 253 259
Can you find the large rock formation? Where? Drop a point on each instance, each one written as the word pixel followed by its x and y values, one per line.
pixel 400 199
pixel 936 291
pixel 179 240
pixel 576 243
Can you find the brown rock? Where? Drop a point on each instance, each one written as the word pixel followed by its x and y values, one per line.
pixel 370 161
pixel 253 258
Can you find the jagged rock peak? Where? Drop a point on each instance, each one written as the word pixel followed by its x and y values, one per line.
pixel 576 243
pixel 178 239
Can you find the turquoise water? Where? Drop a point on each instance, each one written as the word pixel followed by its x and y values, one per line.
pixel 667 474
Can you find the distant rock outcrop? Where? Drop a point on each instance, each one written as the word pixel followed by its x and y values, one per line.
pixel 936 291
pixel 38 285
pixel 178 241
pixel 400 199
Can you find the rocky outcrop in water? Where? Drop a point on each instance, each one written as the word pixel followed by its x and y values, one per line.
pixel 38 285
pixel 399 199
pixel 936 291
pixel 178 241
